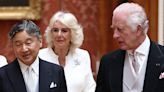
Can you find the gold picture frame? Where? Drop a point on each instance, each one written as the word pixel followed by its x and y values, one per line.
pixel 32 11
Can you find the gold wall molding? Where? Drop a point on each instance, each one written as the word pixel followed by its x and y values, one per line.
pixel 32 12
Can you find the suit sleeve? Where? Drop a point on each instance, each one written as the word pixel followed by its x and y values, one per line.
pixel 101 78
pixel 1 86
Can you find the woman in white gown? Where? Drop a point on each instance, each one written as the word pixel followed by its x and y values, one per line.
pixel 64 37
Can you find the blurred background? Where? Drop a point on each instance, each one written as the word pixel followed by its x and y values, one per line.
pixel 94 15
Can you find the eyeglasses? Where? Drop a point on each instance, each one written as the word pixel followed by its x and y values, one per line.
pixel 62 30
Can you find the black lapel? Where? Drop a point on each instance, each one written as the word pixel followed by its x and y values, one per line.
pixel 44 76
pixel 153 69
pixel 117 71
pixel 16 77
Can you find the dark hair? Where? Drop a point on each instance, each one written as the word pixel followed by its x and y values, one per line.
pixel 25 25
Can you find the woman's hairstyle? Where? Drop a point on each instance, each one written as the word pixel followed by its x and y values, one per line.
pixel 70 21
pixel 25 25
pixel 137 15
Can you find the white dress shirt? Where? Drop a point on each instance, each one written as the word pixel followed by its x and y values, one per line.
pixel 77 69
pixel 135 84
pixel 35 75
pixel 3 61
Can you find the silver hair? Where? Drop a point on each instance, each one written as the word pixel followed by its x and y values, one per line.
pixel 70 21
pixel 137 15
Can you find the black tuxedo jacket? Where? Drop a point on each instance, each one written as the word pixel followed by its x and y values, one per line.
pixel 11 78
pixel 110 75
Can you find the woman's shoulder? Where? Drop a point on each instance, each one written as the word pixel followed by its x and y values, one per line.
pixel 44 49
pixel 81 51
pixel 83 55
pixel 44 52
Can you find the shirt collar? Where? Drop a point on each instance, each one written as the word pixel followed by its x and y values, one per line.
pixel 144 47
pixel 34 65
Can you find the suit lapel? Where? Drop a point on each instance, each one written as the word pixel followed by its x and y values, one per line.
pixel 154 64
pixel 44 76
pixel 16 77
pixel 117 71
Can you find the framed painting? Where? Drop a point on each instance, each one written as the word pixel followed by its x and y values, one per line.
pixel 20 9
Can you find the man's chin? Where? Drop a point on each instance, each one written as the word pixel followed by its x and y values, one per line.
pixel 27 61
pixel 123 48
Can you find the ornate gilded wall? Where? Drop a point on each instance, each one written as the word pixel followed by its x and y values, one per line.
pixel 95 17
pixel 86 11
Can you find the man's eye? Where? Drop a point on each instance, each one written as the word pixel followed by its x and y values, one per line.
pixel 119 29
pixel 28 42
pixel 18 44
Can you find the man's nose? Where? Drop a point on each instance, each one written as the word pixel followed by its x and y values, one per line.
pixel 24 48
pixel 115 34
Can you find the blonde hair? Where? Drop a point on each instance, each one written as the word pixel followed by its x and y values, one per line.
pixel 70 21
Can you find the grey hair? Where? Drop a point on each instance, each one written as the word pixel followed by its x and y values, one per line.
pixel 70 21
pixel 25 25
pixel 137 15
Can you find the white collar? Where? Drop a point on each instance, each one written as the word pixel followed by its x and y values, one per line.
pixel 72 55
pixel 34 65
pixel 143 48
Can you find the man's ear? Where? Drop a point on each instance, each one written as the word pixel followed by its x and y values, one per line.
pixel 40 39
pixel 139 30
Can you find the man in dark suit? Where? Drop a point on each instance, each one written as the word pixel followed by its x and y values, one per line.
pixel 138 66
pixel 28 73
